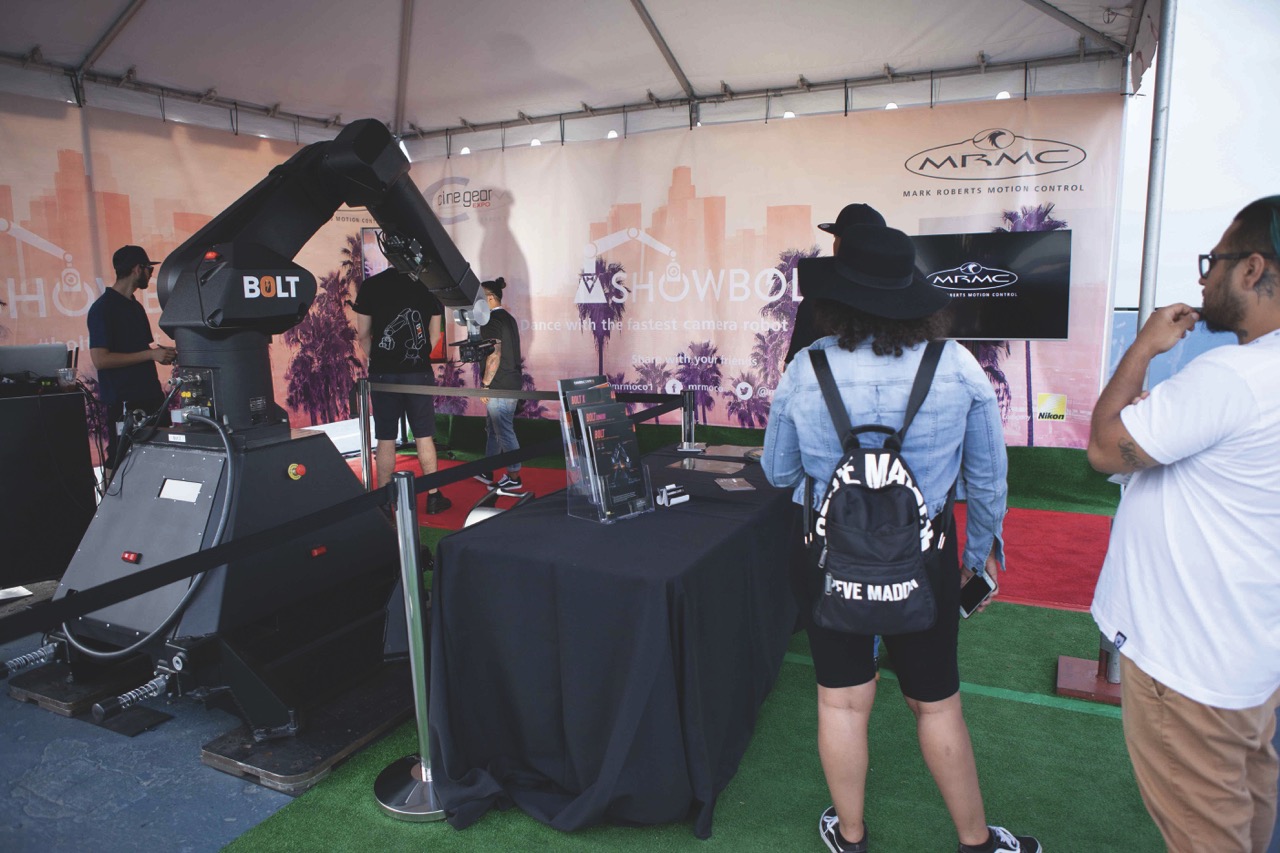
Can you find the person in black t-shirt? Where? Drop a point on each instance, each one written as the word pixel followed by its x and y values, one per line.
pixel 120 346
pixel 398 323
pixel 501 373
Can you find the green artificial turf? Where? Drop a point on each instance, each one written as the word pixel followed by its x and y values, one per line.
pixel 1050 766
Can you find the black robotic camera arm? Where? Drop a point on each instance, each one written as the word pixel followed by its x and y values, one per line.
pixel 233 283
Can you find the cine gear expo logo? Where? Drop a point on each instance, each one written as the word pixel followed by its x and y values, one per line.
pixel 453 200
pixel 995 154
pixel 972 276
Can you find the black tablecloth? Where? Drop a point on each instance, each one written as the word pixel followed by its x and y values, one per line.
pixel 594 672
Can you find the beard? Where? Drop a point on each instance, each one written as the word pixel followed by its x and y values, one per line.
pixel 1224 312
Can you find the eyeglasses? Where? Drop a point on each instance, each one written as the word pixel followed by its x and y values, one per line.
pixel 1212 258
pixel 1207 261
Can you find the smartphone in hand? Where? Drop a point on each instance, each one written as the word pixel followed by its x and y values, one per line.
pixel 977 590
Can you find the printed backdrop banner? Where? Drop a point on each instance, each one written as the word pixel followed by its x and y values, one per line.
pixel 664 260
pixel 667 260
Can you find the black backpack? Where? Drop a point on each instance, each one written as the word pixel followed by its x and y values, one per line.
pixel 872 539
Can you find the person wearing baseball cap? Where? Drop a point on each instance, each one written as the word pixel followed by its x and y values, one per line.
pixel 803 331
pixel 120 345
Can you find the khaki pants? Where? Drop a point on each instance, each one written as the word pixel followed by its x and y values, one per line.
pixel 1206 775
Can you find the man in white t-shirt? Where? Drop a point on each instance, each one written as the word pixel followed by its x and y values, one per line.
pixel 1190 589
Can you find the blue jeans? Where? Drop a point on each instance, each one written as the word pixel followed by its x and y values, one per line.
pixel 500 428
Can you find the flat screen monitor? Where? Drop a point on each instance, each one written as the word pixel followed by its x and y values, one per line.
pixel 32 361
pixel 1003 285
pixel 374 261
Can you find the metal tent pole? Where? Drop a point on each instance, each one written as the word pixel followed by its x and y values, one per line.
pixel 404 788
pixel 1155 173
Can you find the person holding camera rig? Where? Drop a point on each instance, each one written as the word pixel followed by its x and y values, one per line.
pixel 878 313
pixel 120 346
pixel 501 373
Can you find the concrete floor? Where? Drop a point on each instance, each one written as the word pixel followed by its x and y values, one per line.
pixel 69 785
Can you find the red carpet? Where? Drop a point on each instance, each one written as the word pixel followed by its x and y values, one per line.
pixel 465 493
pixel 1052 558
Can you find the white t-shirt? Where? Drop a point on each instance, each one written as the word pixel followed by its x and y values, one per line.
pixel 1190 589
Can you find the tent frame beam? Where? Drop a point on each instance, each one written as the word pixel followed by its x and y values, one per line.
pixel 211 98
pixel 735 95
pixel 661 42
pixel 1079 26
pixel 117 27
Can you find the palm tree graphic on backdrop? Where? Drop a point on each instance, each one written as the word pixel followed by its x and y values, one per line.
pixel 990 353
pixel 753 408
pixel 767 354
pixel 450 376
pixel 655 374
pixel 325 366
pixel 595 314
pixel 700 370
pixel 95 415
pixel 617 380
pixel 782 310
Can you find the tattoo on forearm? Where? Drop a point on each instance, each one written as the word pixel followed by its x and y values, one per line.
pixel 1129 453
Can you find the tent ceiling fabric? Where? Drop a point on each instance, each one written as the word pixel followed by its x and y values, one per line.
pixel 490 60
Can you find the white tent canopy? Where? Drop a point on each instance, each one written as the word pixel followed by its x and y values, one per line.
pixel 490 73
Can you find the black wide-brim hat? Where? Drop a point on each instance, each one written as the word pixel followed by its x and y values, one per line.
pixel 874 272
pixel 853 214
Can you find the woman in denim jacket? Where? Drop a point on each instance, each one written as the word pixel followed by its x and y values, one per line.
pixel 878 313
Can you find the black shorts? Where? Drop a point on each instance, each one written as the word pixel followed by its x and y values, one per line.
pixel 924 661
pixel 390 406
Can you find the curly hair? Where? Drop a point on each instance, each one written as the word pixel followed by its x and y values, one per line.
pixel 888 337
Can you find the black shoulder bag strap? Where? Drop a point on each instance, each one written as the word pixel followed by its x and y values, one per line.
pixel 844 428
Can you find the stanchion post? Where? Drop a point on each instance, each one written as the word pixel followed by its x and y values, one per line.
pixel 688 414
pixel 362 410
pixel 404 788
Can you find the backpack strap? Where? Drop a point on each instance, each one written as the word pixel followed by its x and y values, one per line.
pixel 920 389
pixel 844 428
pixel 831 394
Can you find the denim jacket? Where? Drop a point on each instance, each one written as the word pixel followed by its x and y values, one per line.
pixel 956 433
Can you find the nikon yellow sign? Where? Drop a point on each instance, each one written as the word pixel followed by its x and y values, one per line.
pixel 1051 407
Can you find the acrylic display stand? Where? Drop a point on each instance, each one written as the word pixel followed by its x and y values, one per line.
pixel 585 488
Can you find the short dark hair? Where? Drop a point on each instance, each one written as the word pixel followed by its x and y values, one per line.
pixel 1258 226
pixel 888 337
pixel 1258 230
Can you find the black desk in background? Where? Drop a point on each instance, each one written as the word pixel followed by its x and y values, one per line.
pixel 607 673
pixel 46 483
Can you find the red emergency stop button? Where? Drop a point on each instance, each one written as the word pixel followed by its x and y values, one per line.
pixel 297 471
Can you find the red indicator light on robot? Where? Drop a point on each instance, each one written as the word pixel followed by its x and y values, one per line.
pixel 212 255
pixel 319 551
pixel 131 557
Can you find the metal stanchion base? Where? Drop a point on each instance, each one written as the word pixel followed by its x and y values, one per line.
pixel 1080 679
pixel 404 794
pixel 692 447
